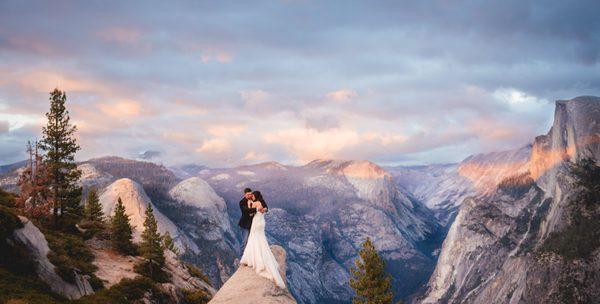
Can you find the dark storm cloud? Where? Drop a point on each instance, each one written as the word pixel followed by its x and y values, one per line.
pixel 173 76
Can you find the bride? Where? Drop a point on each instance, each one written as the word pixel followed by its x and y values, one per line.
pixel 257 254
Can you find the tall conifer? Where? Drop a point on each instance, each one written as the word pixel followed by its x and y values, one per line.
pixel 370 282
pixel 60 146
pixel 120 230
pixel 151 247
pixel 93 209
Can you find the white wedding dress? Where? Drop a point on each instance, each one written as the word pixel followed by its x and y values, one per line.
pixel 258 254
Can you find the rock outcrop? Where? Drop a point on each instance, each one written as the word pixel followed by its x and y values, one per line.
pixel 247 287
pixel 35 243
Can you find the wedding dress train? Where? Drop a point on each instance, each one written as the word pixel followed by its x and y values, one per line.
pixel 258 254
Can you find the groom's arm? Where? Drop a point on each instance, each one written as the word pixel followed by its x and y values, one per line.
pixel 244 207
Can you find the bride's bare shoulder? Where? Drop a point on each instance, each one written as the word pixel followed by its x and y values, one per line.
pixel 257 204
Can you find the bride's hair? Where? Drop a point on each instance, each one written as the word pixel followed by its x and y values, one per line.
pixel 259 197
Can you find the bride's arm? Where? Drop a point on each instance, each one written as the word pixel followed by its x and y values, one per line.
pixel 258 205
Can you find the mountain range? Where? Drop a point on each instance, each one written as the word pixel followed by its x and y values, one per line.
pixel 471 232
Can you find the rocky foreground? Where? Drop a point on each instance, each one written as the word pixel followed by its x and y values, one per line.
pixel 245 286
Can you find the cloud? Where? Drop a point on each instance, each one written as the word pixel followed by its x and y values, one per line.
pixel 226 130
pixel 215 146
pixel 45 80
pixel 120 35
pixel 343 95
pixel 384 81
pixel 307 145
pixel 322 122
pixel 122 109
pixel 254 98
pixel 221 57
pixel 254 157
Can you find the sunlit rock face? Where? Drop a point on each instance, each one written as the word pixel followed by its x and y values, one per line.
pixel 494 252
pixel 322 212
pixel 443 188
pixel 574 135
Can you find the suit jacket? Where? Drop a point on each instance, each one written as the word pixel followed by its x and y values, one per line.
pixel 247 213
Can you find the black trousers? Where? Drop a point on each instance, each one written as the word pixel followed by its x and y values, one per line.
pixel 245 235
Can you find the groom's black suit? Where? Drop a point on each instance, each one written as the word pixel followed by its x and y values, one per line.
pixel 247 213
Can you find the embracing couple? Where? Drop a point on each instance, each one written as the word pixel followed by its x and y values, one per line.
pixel 256 251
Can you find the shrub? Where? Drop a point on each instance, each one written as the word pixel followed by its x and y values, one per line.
pixel 7 199
pixel 126 291
pixel 96 282
pixel 168 243
pixel 196 272
pixel 8 222
pixel 195 296
pixel 149 270
pixel 26 288
pixel 69 253
pixel 16 258
pixel 94 228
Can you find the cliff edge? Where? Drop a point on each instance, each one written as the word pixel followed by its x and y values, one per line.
pixel 245 286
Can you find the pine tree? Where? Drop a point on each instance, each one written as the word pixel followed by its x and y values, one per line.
pixel 168 243
pixel 370 282
pixel 121 232
pixel 93 209
pixel 60 146
pixel 151 247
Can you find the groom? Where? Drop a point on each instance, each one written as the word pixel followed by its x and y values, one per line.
pixel 248 214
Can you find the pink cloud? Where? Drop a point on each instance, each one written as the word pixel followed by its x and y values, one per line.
pixel 215 146
pixel 309 144
pixel 122 109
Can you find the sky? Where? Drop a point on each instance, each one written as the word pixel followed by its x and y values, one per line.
pixel 224 83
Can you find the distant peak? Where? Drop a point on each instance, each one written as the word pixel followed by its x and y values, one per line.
pixel 351 168
pixel 267 165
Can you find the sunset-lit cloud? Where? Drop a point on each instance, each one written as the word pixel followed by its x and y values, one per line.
pixel 215 146
pixel 342 95
pixel 226 130
pixel 221 84
pixel 307 145
pixel 122 109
